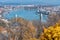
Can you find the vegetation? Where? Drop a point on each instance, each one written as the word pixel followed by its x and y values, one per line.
pixel 51 33
pixel 21 29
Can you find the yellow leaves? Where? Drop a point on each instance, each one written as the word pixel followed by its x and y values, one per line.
pixel 49 36
pixel 45 30
pixel 54 35
pixel 56 38
pixel 50 33
pixel 51 28
pixel 33 39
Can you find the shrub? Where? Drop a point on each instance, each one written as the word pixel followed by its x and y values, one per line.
pixel 51 33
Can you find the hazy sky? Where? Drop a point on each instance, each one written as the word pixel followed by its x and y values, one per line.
pixel 30 0
pixel 33 1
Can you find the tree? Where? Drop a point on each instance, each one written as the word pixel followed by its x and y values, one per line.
pixel 19 24
pixel 26 29
pixel 52 19
pixel 37 26
pixel 51 33
pixel 29 32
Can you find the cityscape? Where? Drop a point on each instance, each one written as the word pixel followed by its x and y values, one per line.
pixel 29 20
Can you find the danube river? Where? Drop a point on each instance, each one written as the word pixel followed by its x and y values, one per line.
pixel 24 13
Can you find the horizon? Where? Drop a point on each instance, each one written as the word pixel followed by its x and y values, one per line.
pixel 30 2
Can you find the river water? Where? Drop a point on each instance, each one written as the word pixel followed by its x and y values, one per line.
pixel 26 14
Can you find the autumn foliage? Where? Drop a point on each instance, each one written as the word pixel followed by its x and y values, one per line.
pixel 51 33
pixel 27 31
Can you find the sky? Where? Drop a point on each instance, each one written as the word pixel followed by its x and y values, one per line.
pixel 50 2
